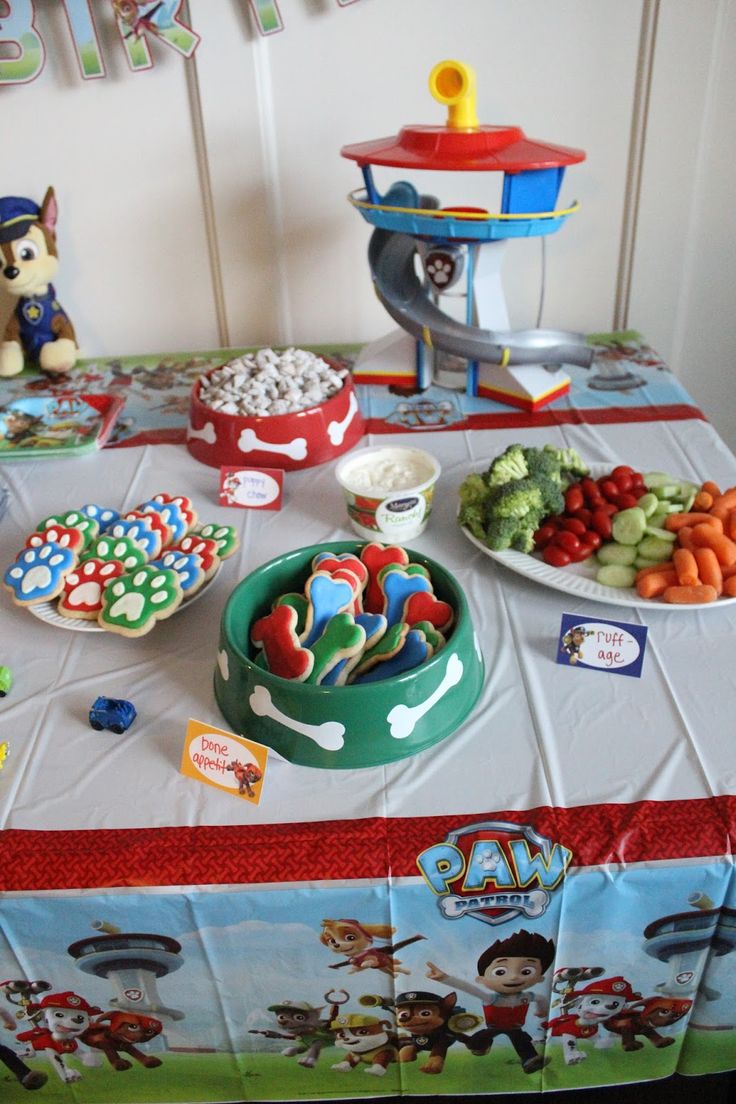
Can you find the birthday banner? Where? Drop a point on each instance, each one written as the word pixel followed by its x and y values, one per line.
pixel 23 54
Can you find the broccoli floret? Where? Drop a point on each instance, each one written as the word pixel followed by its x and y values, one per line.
pixel 473 491
pixel 553 500
pixel 543 464
pixel 508 466
pixel 500 532
pixel 518 499
pixel 569 460
pixel 524 540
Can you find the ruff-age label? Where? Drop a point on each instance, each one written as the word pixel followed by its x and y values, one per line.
pixel 220 759
pixel 251 488
pixel 613 646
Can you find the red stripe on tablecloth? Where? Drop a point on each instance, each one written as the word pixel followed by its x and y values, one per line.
pixel 344 850
pixel 174 436
pixel 522 419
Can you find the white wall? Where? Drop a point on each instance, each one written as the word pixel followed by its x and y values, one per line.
pixel 203 202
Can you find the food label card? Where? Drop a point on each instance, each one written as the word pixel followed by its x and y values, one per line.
pixel 220 759
pixel 251 488
pixel 613 646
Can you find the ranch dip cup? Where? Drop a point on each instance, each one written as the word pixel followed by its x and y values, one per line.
pixel 388 491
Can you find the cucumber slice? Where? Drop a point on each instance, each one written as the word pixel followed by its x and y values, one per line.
pixel 660 534
pixel 622 554
pixel 667 490
pixel 644 561
pixel 654 549
pixel 654 479
pixel 629 525
pixel 616 575
pixel 649 503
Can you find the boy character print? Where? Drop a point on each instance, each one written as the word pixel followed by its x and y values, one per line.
pixel 506 971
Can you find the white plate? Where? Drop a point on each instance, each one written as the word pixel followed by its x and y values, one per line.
pixel 579 579
pixel 47 611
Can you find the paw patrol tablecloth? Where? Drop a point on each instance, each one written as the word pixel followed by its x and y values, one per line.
pixel 544 900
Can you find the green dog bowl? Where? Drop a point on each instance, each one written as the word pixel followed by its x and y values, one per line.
pixel 343 727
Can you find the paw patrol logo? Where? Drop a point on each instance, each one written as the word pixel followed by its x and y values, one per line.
pixel 494 871
pixel 134 994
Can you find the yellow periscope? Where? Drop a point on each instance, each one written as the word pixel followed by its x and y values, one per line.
pixel 453 83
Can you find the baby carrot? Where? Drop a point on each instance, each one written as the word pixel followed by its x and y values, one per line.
pixel 729 525
pixel 684 537
pixel 708 568
pixel 688 595
pixel 686 567
pixel 726 501
pixel 711 488
pixel 705 536
pixel 673 522
pixel 665 565
pixel 655 583
pixel 729 587
pixel 727 572
pixel 703 500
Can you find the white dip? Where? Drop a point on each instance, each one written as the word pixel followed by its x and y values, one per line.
pixel 388 469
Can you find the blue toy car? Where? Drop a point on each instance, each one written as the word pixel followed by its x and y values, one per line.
pixel 115 714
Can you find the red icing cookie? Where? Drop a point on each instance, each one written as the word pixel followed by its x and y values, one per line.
pixel 276 634
pixel 375 556
pixel 82 596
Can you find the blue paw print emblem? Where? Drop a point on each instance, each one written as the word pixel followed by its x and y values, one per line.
pixel 38 573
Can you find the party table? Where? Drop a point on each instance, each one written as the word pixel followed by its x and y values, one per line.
pixel 594 812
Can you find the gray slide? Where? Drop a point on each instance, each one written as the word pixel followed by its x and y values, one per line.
pixel 391 259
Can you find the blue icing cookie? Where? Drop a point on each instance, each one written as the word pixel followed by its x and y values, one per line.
pixel 140 532
pixel 171 513
pixel 103 515
pixel 397 587
pixel 187 565
pixel 38 574
pixel 415 651
pixel 327 597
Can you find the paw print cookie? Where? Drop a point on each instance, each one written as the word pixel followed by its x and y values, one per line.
pixel 226 537
pixel 38 573
pixel 185 505
pixel 73 519
pixel 58 534
pixel 123 549
pixel 103 515
pixel 132 604
pixel 200 546
pixel 171 513
pixel 141 532
pixel 155 521
pixel 83 587
pixel 187 566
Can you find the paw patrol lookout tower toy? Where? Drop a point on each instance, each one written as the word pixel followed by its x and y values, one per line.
pixel 522 367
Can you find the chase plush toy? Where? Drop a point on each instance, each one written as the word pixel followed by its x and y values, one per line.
pixel 38 329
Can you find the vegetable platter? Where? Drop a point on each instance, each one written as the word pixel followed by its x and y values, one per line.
pixel 612 535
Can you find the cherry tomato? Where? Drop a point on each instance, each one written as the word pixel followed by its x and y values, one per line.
pixel 625 501
pixel 609 508
pixel 574 499
pixel 556 556
pixel 591 537
pixel 555 519
pixel 544 535
pixel 573 525
pixel 601 522
pixel 582 553
pixel 584 515
pixel 622 469
pixel 596 501
pixel 623 481
pixel 589 486
pixel 609 489
pixel 567 540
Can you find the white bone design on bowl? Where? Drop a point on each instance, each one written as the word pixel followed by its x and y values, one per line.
pixel 328 735
pixel 206 433
pixel 223 664
pixel 336 430
pixel 403 718
pixel 296 449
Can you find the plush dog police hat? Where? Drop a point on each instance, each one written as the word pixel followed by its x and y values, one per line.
pixel 16 215
pixel 418 996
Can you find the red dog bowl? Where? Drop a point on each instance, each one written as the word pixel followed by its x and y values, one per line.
pixel 289 441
